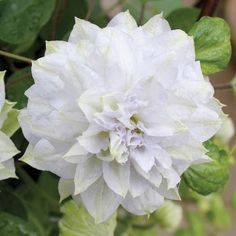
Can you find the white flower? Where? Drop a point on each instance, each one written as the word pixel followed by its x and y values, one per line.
pixel 119 113
pixel 7 148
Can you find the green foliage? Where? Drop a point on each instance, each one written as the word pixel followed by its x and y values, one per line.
pixel 209 177
pixel 152 7
pixel 212 44
pixel 64 18
pixel 41 201
pixel 17 84
pixel 76 221
pixel 183 18
pixel 11 204
pixel 22 20
pixel 14 226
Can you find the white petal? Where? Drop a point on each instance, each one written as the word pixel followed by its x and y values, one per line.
pixel 144 158
pixel 156 25
pixel 100 201
pixel 44 157
pixel 7 169
pixel 138 184
pixel 171 194
pixel 155 177
pixel 148 202
pixel 86 174
pixel 117 177
pixel 65 188
pixel 123 21
pixel 83 30
pixel 204 123
pixel 7 148
pixel 76 154
pixel 95 143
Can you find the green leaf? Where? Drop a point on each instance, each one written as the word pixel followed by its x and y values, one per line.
pixel 17 84
pixel 77 222
pixel 14 226
pixel 49 183
pixel 209 177
pixel 21 20
pixel 152 7
pixel 212 44
pixel 183 18
pixel 11 204
pixel 64 18
pixel 42 206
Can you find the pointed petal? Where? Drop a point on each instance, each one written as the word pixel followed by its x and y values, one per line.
pixel 65 188
pixel 7 148
pixel 83 30
pixel 138 184
pixel 44 157
pixel 156 25
pixel 124 21
pixel 100 201
pixel 117 176
pixel 144 158
pixel 7 169
pixel 148 202
pixel 86 174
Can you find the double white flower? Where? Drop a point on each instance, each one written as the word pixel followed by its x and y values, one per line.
pixel 119 114
pixel 7 148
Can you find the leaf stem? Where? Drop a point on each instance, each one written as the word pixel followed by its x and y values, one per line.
pixel 143 7
pixel 92 4
pixel 16 57
pixel 225 86
pixel 208 7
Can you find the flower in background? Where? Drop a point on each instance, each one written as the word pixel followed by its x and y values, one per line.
pixel 119 114
pixel 7 128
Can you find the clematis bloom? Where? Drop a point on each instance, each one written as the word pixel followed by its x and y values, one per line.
pixel 7 148
pixel 119 113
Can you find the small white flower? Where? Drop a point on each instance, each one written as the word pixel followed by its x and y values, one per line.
pixel 7 148
pixel 119 114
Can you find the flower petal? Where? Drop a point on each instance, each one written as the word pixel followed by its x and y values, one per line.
pixel 148 202
pixel 117 177
pixel 86 174
pixel 100 201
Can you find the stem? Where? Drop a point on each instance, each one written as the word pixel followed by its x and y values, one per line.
pixel 140 21
pixel 16 57
pixel 92 5
pixel 225 86
pixel 208 7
